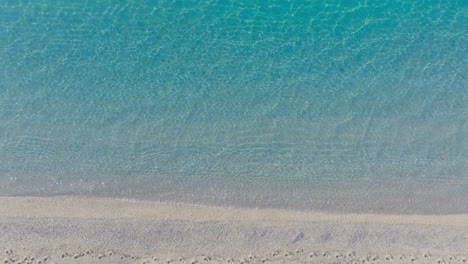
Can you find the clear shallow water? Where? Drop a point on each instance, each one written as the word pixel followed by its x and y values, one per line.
pixel 316 105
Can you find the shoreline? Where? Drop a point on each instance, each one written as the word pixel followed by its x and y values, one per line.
pixel 100 207
pixel 140 232
pixel 379 196
pixel 389 196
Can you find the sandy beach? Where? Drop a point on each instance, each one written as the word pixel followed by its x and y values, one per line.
pixel 97 230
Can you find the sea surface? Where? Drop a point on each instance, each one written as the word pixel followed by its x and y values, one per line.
pixel 322 105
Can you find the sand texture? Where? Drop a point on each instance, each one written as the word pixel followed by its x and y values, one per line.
pixel 92 230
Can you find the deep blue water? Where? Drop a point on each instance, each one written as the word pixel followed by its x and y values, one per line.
pixel 294 104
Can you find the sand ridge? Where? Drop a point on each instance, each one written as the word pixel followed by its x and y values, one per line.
pixel 298 256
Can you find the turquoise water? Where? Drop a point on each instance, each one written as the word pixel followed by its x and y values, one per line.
pixel 312 105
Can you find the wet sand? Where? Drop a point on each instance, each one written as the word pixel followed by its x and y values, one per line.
pixel 92 230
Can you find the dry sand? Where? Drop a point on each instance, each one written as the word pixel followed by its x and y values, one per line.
pixel 91 230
